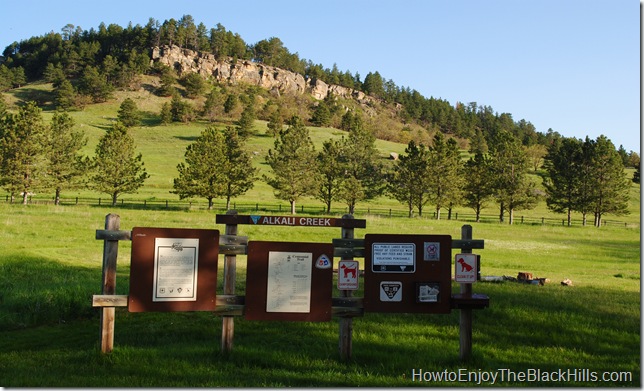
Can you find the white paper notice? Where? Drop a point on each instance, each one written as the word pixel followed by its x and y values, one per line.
pixel 175 269
pixel 289 282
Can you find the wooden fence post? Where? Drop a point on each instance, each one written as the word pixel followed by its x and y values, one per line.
pixel 110 253
pixel 346 323
pixel 230 277
pixel 465 332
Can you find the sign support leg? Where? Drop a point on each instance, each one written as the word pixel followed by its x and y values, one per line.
pixel 110 253
pixel 465 332
pixel 230 277
pixel 346 323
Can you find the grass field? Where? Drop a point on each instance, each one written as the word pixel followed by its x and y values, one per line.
pixel 50 266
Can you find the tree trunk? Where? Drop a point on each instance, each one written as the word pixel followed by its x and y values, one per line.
pixel 511 212
pixel 569 217
pixel 293 207
pixel 501 209
pixel 228 203
pixel 24 197
pixel 114 197
pixel 210 203
pixel 57 198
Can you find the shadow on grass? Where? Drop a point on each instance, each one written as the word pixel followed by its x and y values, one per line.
pixel 36 291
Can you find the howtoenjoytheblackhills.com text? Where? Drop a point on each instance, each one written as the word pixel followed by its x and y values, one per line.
pixel 505 375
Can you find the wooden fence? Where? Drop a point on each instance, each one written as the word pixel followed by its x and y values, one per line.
pixel 277 207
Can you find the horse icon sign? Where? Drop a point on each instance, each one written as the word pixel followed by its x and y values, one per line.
pixel 348 275
pixel 465 268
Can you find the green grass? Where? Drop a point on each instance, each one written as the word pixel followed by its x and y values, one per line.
pixel 50 266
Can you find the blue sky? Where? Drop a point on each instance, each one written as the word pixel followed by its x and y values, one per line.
pixel 569 65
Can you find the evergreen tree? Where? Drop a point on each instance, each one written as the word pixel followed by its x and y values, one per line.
pixel 181 110
pixel 409 180
pixel 116 168
pixel 275 122
pixel 128 113
pixel 230 104
pixel 513 189
pixel 203 173
pixel 23 139
pixel 212 106
pixel 94 84
pixel 364 174
pixel 321 115
pixel 611 185
pixel 292 162
pixel 246 122
pixel 66 165
pixel 563 176
pixel 636 175
pixel 65 95
pixel 331 170
pixel 195 85
pixel 239 172
pixel 477 187
pixel 444 172
pixel 166 113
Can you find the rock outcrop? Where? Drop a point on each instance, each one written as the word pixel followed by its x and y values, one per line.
pixel 274 79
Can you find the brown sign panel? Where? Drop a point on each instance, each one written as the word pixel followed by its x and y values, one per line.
pixel 408 273
pixel 291 221
pixel 289 281
pixel 173 269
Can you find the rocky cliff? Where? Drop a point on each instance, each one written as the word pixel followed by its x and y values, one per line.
pixel 271 78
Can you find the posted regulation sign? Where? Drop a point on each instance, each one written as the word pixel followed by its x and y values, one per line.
pixel 465 268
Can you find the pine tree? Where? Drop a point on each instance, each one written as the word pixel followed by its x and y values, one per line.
pixel 409 180
pixel 477 187
pixel 275 122
pixel 246 122
pixel 65 95
pixel 23 139
pixel 239 172
pixel 363 172
pixel 444 173
pixel 563 168
pixel 216 166
pixel 331 170
pixel 65 162
pixel 203 171
pixel 116 168
pixel 611 184
pixel 166 113
pixel 129 114
pixel 292 162
pixel 509 167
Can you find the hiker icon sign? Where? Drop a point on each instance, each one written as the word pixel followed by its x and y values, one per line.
pixel 465 268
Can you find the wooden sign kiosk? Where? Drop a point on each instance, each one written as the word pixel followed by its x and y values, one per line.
pixel 405 273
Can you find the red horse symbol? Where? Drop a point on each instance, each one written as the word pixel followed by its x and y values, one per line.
pixel 464 266
pixel 348 271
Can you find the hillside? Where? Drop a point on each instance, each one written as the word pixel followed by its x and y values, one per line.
pixel 163 148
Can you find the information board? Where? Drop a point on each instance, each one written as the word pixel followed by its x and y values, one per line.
pixel 173 269
pixel 289 281
pixel 407 273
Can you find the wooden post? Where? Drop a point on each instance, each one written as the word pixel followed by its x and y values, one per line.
pixel 230 277
pixel 110 253
pixel 465 332
pixel 346 323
